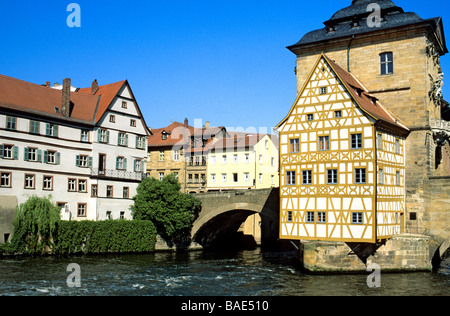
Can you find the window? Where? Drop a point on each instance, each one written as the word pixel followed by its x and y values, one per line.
pixel 310 117
pixel 85 136
pixel 290 178
pixel 83 161
pixel 176 155
pixel 357 218
pixel 103 136
pixel 307 177
pixel 124 105
pixel 213 178
pixel 323 90
pixel 224 159
pixel 324 142
pixel 32 154
pixel 260 178
pixel 81 210
pixel 235 177
pixel 122 215
pixel 386 63
pixel 380 176
pixel 338 114
pixel 51 130
pixel 9 152
pixel 189 178
pixel 332 176
pixel 310 217
pixel 94 190
pixel 140 142
pixel 126 192
pixel 413 216
pixel 138 165
pixel 246 158
pixel 52 157
pixel 109 191
pixel 112 118
pixel 224 177
pixel 29 181
pixel 121 163
pixel 133 123
pixel 197 160
pixel 34 127
pixel 272 179
pixel 161 155
pixel 47 183
pixel 360 175
pixel 161 176
pixel 246 177
pixel 321 217
pixel 356 141
pixel 235 159
pixel 72 185
pixel 213 160
pixel 289 216
pixel 11 123
pixel 108 215
pixel 82 185
pixel 380 141
pixel 397 178
pixel 260 159
pixel 164 136
pixel 5 181
pixel 397 146
pixel 122 140
pixel 294 145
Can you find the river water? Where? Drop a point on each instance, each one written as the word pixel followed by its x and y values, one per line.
pixel 243 273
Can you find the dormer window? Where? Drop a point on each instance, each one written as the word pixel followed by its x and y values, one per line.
pixel 355 23
pixel 164 135
pixel 331 28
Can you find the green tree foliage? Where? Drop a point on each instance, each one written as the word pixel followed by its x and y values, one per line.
pixel 35 226
pixel 172 212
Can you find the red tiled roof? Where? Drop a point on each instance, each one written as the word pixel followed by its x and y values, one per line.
pixel 175 132
pixel 27 97
pixel 107 94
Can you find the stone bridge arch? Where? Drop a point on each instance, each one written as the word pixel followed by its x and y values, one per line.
pixel 223 213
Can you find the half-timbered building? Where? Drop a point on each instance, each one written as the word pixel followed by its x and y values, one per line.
pixel 342 162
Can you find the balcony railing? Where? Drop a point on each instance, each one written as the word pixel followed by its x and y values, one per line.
pixel 118 174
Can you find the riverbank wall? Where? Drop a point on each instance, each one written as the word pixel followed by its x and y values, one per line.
pixel 401 253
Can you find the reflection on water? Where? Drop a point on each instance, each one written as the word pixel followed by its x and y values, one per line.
pixel 243 273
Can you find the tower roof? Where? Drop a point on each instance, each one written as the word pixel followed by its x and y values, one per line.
pixel 352 20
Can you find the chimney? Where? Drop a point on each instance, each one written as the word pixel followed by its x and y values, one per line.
pixel 48 84
pixel 65 106
pixel 207 124
pixel 94 87
pixel 186 123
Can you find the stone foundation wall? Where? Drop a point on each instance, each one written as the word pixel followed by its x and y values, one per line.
pixel 399 254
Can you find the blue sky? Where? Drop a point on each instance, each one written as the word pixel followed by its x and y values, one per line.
pixel 223 61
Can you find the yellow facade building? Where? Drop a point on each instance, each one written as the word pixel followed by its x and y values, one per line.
pixel 243 162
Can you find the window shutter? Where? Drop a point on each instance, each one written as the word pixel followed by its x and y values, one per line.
pixel 126 140
pixel 56 131
pixel 125 164
pixel 2 148
pixel 99 135
pixel 117 163
pixel 90 162
pixel 26 153
pixel 48 129
pixel 137 140
pixel 16 153
pixel 134 166
pixel 77 162
pixel 39 155
pixel 58 158
pixel 107 137
pixel 45 156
